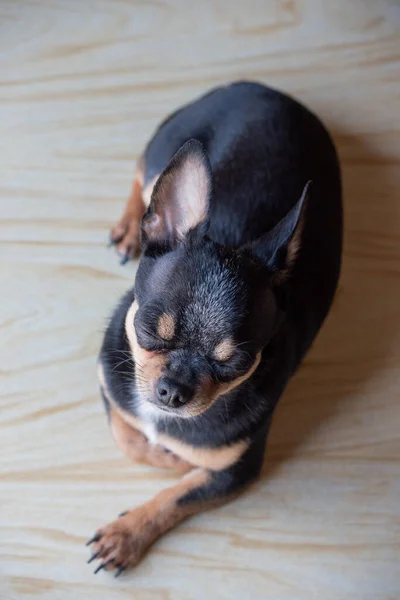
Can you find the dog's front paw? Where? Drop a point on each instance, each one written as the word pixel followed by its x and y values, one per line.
pixel 122 543
pixel 125 235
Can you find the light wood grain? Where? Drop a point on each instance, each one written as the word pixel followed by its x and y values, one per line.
pixel 83 83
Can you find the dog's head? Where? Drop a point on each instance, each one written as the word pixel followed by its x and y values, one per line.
pixel 203 312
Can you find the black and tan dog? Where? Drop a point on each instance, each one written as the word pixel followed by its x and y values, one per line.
pixel 241 247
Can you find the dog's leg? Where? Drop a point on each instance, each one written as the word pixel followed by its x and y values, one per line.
pixel 123 543
pixel 126 233
pixel 136 446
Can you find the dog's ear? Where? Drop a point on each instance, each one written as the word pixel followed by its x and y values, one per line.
pixel 181 197
pixel 278 248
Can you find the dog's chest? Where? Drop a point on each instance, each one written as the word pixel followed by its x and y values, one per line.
pixel 147 422
pixel 150 432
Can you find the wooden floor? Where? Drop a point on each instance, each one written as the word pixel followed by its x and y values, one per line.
pixel 82 85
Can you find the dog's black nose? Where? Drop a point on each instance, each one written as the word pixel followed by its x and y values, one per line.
pixel 171 393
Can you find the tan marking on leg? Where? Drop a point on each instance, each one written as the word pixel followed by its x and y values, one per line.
pixel 125 541
pixel 134 444
pixel 166 326
pixel 214 459
pixel 126 233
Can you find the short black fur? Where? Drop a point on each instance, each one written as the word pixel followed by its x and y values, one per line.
pixel 263 148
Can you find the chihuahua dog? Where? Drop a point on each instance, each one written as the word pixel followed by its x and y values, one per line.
pixel 236 206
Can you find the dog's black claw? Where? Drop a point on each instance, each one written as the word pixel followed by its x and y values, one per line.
pixel 93 557
pixel 95 538
pixel 113 240
pixel 124 259
pixel 120 570
pixel 103 566
pixel 123 514
pixel 99 568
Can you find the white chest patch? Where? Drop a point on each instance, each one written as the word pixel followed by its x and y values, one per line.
pixel 150 432
pixel 148 415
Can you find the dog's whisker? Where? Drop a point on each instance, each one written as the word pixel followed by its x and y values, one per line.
pixel 122 362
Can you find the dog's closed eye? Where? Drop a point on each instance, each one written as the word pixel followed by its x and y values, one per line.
pixel 149 340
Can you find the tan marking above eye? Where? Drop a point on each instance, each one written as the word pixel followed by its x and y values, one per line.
pixel 224 350
pixel 166 326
